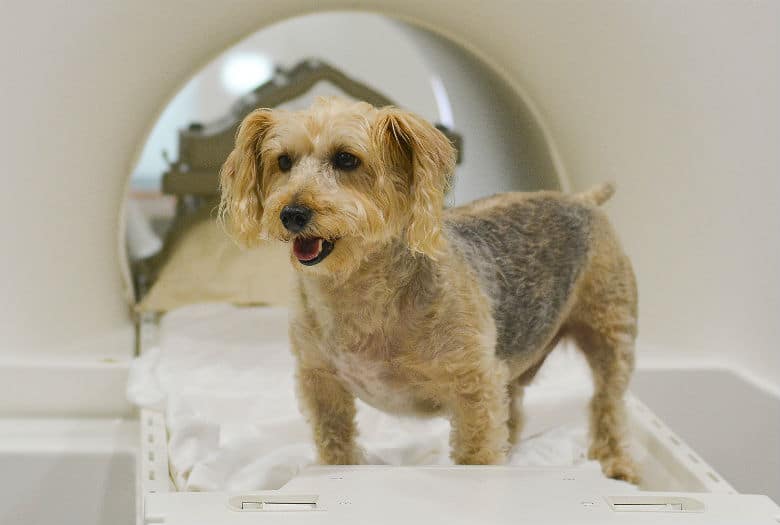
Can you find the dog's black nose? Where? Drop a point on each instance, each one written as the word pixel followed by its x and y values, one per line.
pixel 295 218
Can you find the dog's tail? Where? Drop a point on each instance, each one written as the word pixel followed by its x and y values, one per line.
pixel 597 195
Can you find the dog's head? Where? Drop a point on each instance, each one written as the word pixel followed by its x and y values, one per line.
pixel 337 181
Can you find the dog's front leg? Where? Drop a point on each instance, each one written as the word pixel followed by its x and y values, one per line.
pixel 480 411
pixel 330 409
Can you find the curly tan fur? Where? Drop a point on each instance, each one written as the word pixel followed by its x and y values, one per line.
pixel 426 311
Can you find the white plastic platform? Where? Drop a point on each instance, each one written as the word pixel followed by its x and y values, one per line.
pixel 468 495
pixel 675 480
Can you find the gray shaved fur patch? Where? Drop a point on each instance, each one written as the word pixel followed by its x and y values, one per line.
pixel 527 256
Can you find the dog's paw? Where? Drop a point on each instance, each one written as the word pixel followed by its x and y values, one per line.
pixel 480 457
pixel 342 457
pixel 621 468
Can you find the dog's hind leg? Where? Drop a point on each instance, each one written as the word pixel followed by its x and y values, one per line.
pixel 603 323
pixel 611 360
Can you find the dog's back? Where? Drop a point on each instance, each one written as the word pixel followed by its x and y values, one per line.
pixel 527 250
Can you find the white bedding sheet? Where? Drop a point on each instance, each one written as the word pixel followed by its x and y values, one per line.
pixel 224 377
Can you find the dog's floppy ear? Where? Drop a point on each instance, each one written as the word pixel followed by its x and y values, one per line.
pixel 241 205
pixel 423 151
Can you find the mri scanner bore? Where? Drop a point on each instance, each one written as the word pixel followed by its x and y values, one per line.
pixel 414 68
pixel 173 190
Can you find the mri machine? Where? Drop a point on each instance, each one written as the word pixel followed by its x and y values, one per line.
pixel 678 103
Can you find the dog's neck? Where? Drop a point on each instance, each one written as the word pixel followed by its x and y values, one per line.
pixel 385 285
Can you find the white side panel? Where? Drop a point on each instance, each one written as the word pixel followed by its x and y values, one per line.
pixel 68 471
pixel 73 386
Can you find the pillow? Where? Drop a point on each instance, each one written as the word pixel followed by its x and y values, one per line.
pixel 202 264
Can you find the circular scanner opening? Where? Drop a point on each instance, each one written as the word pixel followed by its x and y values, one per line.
pixel 171 195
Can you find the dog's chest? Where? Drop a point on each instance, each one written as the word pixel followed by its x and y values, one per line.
pixel 363 345
pixel 383 384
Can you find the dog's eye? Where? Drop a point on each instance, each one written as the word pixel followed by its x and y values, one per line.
pixel 285 162
pixel 345 161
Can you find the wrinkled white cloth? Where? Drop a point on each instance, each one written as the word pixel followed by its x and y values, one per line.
pixel 224 377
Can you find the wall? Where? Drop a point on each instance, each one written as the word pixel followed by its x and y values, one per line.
pixel 677 102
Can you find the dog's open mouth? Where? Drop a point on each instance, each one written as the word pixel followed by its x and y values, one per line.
pixel 311 251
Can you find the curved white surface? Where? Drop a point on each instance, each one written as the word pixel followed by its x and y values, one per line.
pixel 676 102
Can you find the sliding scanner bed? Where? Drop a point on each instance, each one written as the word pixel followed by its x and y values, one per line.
pixel 677 484
pixel 457 495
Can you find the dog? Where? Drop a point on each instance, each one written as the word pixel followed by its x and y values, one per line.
pixel 417 309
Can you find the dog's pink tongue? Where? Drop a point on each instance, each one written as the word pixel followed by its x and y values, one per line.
pixel 307 249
